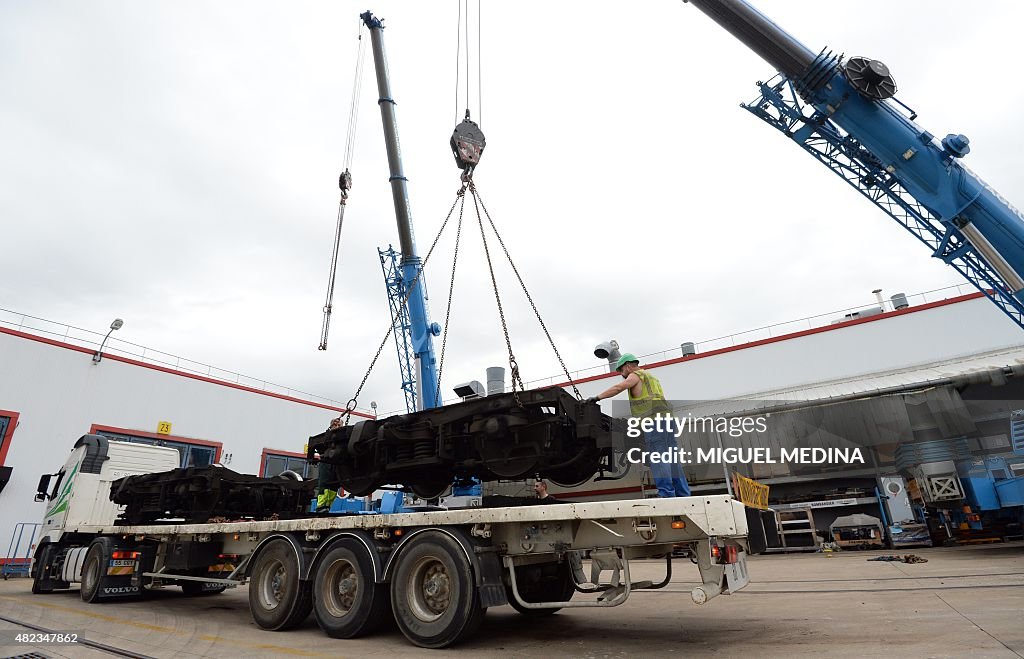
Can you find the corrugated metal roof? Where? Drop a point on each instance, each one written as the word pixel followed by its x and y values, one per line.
pixel 920 376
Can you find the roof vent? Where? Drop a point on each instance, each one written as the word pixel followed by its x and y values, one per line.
pixel 899 301
pixel 470 390
pixel 856 315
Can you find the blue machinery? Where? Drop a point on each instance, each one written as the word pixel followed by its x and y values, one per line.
pixel 844 113
pixel 403 272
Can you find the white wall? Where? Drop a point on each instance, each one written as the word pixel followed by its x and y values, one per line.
pixel 59 393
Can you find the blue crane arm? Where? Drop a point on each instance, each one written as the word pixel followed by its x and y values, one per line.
pixel 413 330
pixel 844 112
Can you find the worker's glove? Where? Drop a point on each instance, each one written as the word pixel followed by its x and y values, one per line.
pixel 592 399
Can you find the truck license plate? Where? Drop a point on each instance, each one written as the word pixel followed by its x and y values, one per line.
pixel 736 574
pixel 118 567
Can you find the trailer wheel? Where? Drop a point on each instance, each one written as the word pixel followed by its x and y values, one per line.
pixel 278 599
pixel 347 600
pixel 92 572
pixel 543 582
pixel 433 592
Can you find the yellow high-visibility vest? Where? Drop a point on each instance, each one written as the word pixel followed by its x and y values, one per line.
pixel 652 400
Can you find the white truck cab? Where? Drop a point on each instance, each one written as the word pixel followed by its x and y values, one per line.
pixel 79 493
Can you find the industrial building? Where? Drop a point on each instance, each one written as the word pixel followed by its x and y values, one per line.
pixel 57 390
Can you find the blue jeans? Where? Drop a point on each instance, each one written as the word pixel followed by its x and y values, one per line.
pixel 668 478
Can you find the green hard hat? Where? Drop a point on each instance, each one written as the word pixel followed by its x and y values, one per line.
pixel 625 359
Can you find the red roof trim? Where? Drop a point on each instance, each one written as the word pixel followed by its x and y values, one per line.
pixel 191 376
pixel 793 335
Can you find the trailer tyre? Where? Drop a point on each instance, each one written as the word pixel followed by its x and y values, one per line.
pixel 433 592
pixel 347 600
pixel 278 599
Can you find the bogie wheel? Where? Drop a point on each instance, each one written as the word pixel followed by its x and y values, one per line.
pixel 433 592
pixel 347 600
pixel 278 599
pixel 92 572
pixel 431 489
pixel 542 582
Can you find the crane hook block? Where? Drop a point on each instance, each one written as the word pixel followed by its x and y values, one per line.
pixel 467 144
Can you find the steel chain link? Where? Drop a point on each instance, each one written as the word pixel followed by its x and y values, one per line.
pixel 351 405
pixel 529 298
pixel 448 311
pixel 512 364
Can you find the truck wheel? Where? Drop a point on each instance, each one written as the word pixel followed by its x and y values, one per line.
pixel 544 582
pixel 93 572
pixel 433 592
pixel 347 600
pixel 278 599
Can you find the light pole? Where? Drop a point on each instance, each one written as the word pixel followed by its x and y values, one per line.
pixel 116 325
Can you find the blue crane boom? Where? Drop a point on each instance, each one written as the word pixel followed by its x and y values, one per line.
pixel 844 113
pixel 414 333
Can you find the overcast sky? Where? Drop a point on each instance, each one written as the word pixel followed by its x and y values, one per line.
pixel 175 164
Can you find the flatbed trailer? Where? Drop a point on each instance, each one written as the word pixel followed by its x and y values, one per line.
pixel 435 571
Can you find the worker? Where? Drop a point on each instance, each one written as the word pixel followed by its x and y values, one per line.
pixel 646 399
pixel 328 484
pixel 540 488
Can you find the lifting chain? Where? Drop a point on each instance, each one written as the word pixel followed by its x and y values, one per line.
pixel 529 298
pixel 513 366
pixel 350 406
pixel 451 292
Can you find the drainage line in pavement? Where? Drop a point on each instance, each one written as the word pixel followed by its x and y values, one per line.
pixel 92 644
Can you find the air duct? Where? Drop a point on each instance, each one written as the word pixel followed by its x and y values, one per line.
pixel 608 350
pixel 470 390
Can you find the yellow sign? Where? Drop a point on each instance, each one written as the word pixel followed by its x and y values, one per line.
pixel 163 428
pixel 750 492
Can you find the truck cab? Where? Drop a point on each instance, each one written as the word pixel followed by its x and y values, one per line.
pixel 78 496
pixel 79 493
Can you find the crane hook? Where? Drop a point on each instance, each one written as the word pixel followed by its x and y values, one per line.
pixel 467 146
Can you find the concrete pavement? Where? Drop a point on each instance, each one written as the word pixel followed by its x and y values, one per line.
pixel 967 600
